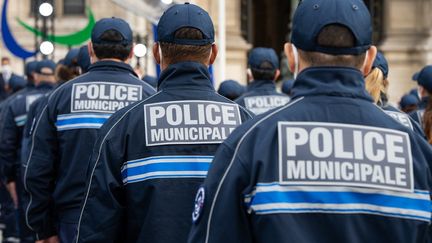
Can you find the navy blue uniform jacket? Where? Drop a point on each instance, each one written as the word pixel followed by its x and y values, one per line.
pixel 64 136
pixel 262 97
pixel 329 167
pixel 152 157
pixel 14 119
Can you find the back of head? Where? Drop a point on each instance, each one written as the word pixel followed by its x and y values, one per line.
pixel 332 32
pixel 376 81
pixel 68 69
pixel 263 63
pixel 112 38
pixel 231 89
pixel 185 33
pixel 408 103
pixel 30 69
pixel 425 80
pixel 83 59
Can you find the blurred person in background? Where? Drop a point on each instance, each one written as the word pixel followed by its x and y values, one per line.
pixel 231 89
pixel 263 71
pixel 408 103
pixel 67 69
pixel 377 84
pixel 423 114
pixel 15 115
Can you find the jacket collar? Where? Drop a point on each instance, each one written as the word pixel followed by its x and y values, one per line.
pixel 190 75
pixel 112 66
pixel 45 85
pixel 331 81
pixel 262 85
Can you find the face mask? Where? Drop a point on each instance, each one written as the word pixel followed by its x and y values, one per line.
pixel 296 61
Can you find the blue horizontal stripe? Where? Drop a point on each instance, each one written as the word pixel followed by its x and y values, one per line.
pixel 341 198
pixel 170 157
pixel 73 121
pixel 161 167
pixel 166 177
pixel 340 211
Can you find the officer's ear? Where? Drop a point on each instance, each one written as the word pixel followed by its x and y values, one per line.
pixel 92 55
pixel 213 54
pixel 156 53
pixel 289 52
pixel 131 54
pixel 369 60
pixel 277 74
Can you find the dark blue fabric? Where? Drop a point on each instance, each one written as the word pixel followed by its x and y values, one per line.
pixel 249 158
pixel 157 209
pixel 58 160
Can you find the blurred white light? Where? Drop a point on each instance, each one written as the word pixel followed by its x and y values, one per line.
pixel 167 1
pixel 46 9
pixel 140 50
pixel 46 48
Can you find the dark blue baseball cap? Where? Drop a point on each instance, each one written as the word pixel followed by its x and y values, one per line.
pixel 259 55
pixel 113 23
pixel 30 68
pixel 425 78
pixel 71 57
pixel 312 16
pixel 231 89
pixel 17 82
pixel 381 63
pixel 46 67
pixel 408 100
pixel 287 86
pixel 415 76
pixel 83 59
pixel 415 93
pixel 185 16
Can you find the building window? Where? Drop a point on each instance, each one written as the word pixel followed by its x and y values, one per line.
pixel 74 7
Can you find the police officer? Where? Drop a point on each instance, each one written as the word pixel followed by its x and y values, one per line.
pixel 231 89
pixel 152 157
pixel 423 115
pixel 408 103
pixel 12 133
pixel 7 209
pixel 66 130
pixel 377 85
pixel 424 81
pixel 263 72
pixel 330 166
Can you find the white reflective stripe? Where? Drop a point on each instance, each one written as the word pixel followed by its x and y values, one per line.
pixel 272 208
pixel 163 174
pixel 20 118
pixel 74 116
pixel 97 161
pixel 279 188
pixel 233 157
pixel 81 125
pixel 168 159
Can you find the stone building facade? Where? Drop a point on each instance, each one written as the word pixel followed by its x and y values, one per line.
pixel 402 30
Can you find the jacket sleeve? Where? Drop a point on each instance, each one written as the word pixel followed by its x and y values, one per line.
pixel 221 215
pixel 102 211
pixel 9 143
pixel 39 176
